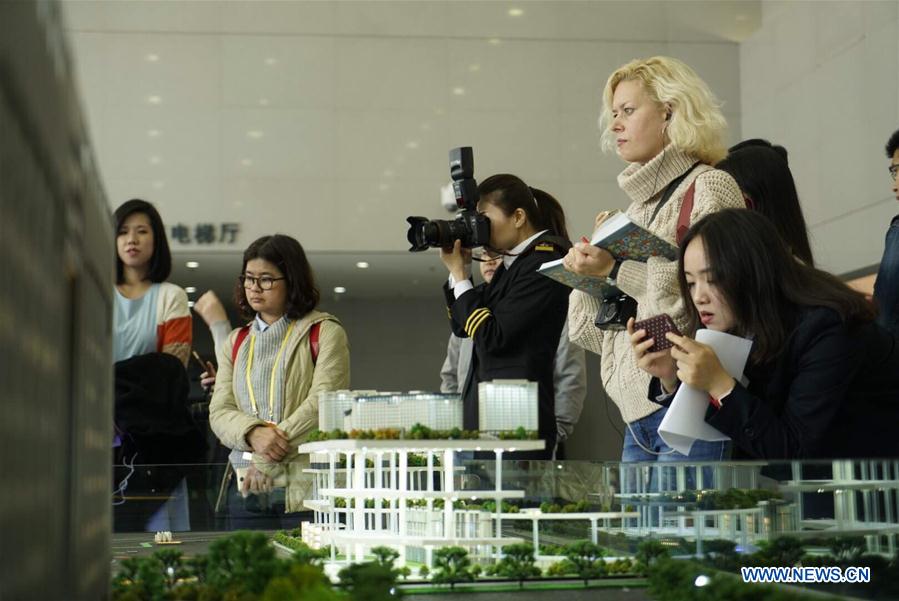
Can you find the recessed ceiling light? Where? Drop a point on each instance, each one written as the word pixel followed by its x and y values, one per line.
pixel 153 133
pixel 190 289
pixel 246 162
pixel 494 41
pixel 154 99
pixel 474 68
pixel 158 185
pixel 459 91
pixel 339 290
pixel 271 61
pixel 411 144
pixel 155 160
pixel 152 58
pixel 515 12
pixel 388 173
pixel 191 264
pixel 255 134
pixel 362 265
pixel 263 102
pixel 425 127
pixel 742 17
pixel 383 187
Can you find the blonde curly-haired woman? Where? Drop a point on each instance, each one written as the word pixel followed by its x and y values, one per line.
pixel 664 121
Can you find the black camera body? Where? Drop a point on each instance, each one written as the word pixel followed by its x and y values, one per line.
pixel 470 227
pixel 615 311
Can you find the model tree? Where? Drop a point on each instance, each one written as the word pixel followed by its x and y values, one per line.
pixel 649 551
pixel 586 560
pixel 303 581
pixel 452 565
pixel 242 563
pixel 518 563
pixel 369 581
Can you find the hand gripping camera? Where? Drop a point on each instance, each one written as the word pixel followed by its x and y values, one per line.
pixel 470 227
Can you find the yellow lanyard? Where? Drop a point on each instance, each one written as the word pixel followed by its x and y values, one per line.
pixel 271 386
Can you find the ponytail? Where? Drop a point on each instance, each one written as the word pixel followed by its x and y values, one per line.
pixel 543 211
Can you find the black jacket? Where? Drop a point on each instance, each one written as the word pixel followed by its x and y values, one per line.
pixel 833 392
pixel 515 323
pixel 151 411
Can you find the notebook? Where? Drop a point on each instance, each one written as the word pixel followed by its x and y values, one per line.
pixel 626 240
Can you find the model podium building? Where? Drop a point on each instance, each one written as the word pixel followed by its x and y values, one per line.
pixel 407 493
pixel 503 406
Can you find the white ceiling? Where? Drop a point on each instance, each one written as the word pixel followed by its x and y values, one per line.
pixel 331 121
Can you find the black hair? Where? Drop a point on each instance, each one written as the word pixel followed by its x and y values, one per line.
pixel 893 144
pixel 289 256
pixel 763 174
pixel 762 282
pixel 161 260
pixel 543 211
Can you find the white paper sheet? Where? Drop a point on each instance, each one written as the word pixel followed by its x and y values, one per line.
pixel 685 421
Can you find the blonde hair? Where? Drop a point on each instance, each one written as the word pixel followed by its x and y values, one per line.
pixel 696 126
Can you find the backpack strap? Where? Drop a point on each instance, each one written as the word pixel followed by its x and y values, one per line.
pixel 686 208
pixel 313 340
pixel 241 335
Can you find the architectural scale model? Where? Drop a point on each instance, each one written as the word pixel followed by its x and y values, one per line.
pixel 409 493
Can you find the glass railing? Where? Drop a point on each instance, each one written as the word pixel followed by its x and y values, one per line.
pixel 723 515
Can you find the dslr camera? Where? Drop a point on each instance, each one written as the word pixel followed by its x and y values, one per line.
pixel 470 227
pixel 614 311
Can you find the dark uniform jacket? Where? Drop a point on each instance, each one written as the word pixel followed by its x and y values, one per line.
pixel 515 323
pixel 832 392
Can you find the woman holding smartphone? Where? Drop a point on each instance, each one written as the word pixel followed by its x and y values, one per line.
pixel 823 377
pixel 514 321
pixel 663 120
pixel 270 374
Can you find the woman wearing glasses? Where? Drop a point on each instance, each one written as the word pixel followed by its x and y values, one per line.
pixel 272 370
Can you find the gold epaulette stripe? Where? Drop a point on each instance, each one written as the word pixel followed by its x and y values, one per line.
pixel 474 315
pixel 477 324
pixel 449 313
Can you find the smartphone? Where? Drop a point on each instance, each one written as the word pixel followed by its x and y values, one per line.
pixel 656 328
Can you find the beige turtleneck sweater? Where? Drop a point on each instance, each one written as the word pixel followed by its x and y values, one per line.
pixel 654 283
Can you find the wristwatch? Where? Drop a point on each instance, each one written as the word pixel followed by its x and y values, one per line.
pixel 613 275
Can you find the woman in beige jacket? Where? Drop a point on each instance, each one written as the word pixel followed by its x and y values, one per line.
pixel 665 123
pixel 266 392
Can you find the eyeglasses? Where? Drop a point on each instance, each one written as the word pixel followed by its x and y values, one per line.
pixel 894 169
pixel 484 255
pixel 265 282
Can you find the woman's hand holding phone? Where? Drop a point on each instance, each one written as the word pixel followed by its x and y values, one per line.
pixel 659 364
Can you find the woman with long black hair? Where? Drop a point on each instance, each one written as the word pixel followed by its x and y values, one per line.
pixel 516 320
pixel 823 377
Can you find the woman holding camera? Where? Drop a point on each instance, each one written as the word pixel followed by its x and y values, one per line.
pixel 823 377
pixel 665 123
pixel 516 320
pixel 271 372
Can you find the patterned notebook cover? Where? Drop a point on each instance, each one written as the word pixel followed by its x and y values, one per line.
pixel 628 241
pixel 598 287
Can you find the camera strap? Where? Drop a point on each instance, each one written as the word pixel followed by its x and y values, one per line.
pixel 669 190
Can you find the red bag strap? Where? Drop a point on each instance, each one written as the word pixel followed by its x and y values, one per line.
pixel 686 208
pixel 313 340
pixel 241 334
